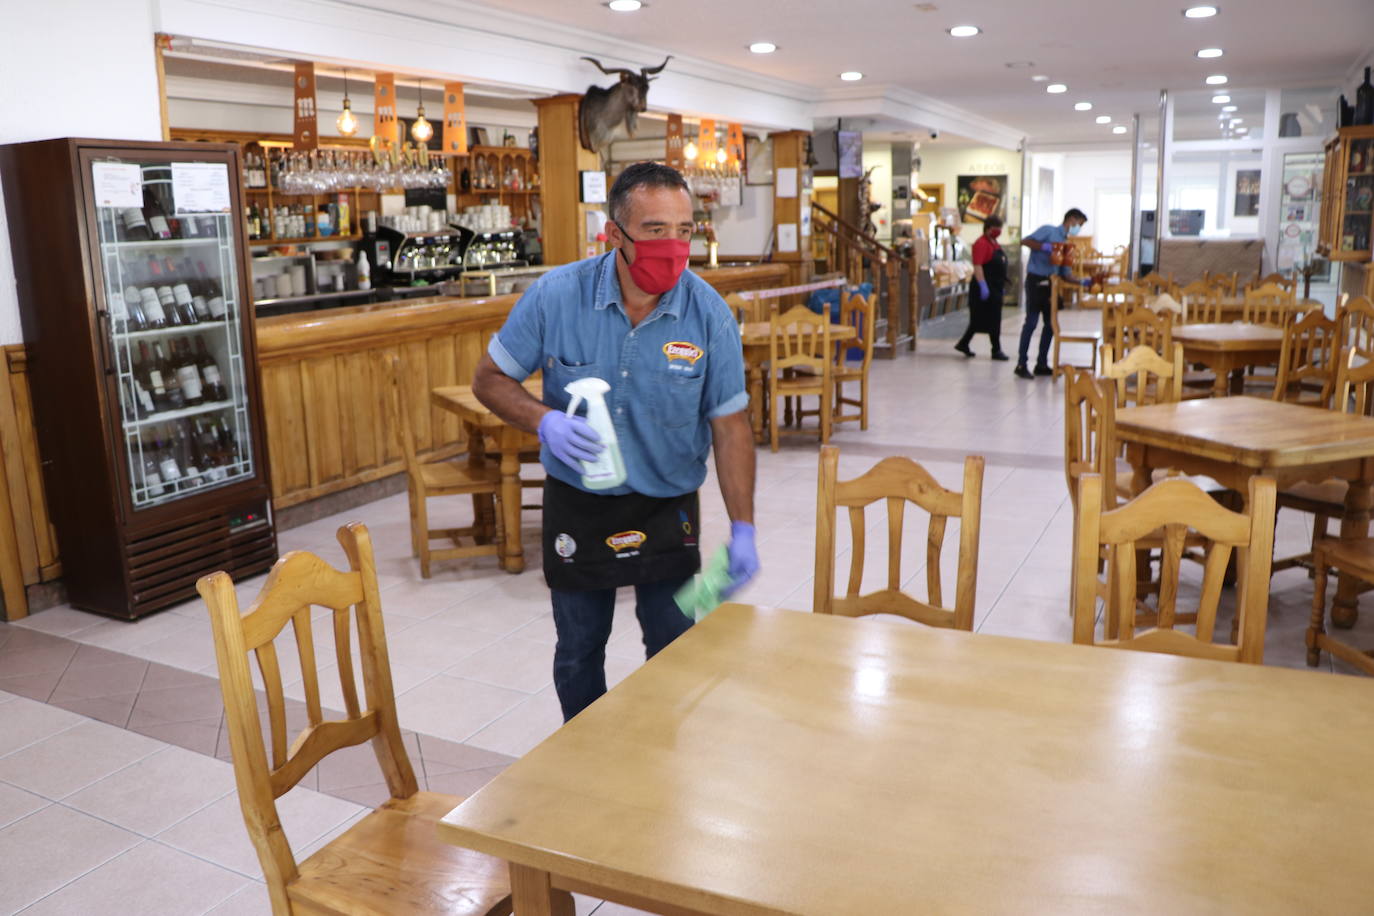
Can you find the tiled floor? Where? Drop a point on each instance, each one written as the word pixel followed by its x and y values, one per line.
pixel 115 793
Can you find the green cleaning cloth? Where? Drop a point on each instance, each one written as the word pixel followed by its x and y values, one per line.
pixel 701 596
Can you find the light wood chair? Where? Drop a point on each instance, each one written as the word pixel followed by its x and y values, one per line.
pixel 800 363
pixel 1144 376
pixel 1155 283
pixel 1141 327
pixel 1269 305
pixel 1353 393
pixel 452 477
pixel 742 308
pixel 391 861
pixel 1177 507
pixel 1225 284
pixel 1090 435
pixel 1060 291
pixel 897 481
pixel 1356 319
pixel 1284 281
pixel 1307 362
pixel 861 314
pixel 1201 303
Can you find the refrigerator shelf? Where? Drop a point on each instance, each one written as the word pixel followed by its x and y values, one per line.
pixel 145 499
pixel 156 333
pixel 156 244
pixel 169 415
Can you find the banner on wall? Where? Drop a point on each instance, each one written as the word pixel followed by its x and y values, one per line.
pixel 706 143
pixel 455 139
pixel 306 134
pixel 385 126
pixel 673 143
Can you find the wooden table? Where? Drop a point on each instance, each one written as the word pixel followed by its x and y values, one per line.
pixel 782 762
pixel 1232 439
pixel 755 336
pixel 1227 349
pixel 480 423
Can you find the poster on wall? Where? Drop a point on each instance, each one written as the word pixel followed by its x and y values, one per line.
pixel 981 196
pixel 1247 192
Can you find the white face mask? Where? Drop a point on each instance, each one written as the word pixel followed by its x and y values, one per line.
pixel 1075 228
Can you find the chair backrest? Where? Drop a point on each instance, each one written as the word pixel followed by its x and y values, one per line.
pixel 297 582
pixel 1201 303
pixel 1157 283
pixel 1063 293
pixel 1177 506
pixel 858 312
pixel 1269 305
pixel 1089 432
pixel 742 308
pixel 398 412
pixel 1141 327
pixel 1356 319
pixel 1144 376
pixel 1307 362
pixel 1283 281
pixel 897 481
pixel 800 338
pixel 1354 384
pixel 1224 284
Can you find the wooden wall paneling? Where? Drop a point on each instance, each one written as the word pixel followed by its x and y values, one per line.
pixel 358 429
pixel 285 415
pixel 323 430
pixel 561 157
pixel 441 361
pixel 389 448
pixel 44 535
pixel 24 529
pixel 415 369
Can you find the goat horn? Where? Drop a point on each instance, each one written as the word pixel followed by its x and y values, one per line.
pixel 613 71
pixel 648 70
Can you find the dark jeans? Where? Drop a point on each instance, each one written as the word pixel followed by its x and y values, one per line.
pixel 583 621
pixel 1037 309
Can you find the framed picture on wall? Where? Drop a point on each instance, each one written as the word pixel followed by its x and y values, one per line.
pixel 1247 192
pixel 981 196
pixel 758 161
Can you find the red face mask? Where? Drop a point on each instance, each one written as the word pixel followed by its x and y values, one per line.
pixel 658 262
pixel 993 233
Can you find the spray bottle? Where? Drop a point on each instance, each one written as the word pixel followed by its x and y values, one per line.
pixel 607 469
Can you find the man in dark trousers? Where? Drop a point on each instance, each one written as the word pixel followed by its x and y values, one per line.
pixel 670 348
pixel 1038 273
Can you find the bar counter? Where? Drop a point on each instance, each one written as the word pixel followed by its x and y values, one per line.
pixel 325 401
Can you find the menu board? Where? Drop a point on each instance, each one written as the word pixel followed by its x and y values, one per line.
pixel 1299 212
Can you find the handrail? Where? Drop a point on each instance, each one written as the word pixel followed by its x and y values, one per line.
pixel 894 275
pixel 852 229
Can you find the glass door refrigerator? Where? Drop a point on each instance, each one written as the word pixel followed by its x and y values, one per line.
pixel 131 269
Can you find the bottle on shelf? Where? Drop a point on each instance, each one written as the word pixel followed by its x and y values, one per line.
pixel 187 374
pixel 168 467
pixel 181 292
pixel 181 446
pixel 211 379
pixel 167 380
pixel 203 441
pixel 133 300
pixel 364 271
pixel 214 294
pixel 159 226
pixel 200 304
pixel 1364 101
pixel 132 225
pixel 152 476
pixel 161 284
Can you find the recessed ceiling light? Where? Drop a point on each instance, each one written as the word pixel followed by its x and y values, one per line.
pixel 1082 106
pixel 763 47
pixel 1019 64
pixel 1216 79
pixel 1237 120
pixel 1104 119
pixel 1209 52
pixel 625 6
pixel 1056 88
pixel 1242 130
pixel 1221 99
pixel 1228 108
pixel 1040 77
pixel 850 76
pixel 1200 12
pixel 1119 129
pixel 964 31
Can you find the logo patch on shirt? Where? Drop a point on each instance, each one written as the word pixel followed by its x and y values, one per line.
pixel 564 545
pixel 681 349
pixel 626 540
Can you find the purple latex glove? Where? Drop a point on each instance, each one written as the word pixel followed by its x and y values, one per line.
pixel 1087 282
pixel 744 557
pixel 983 289
pixel 571 439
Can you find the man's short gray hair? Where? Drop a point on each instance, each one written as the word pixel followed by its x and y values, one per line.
pixel 640 175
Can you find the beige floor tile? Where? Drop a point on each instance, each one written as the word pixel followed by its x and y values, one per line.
pixel 498 617
pixel 217 833
pixel 518 731
pixel 156 792
pixel 24 721
pixel 191 649
pixel 16 803
pixel 73 759
pixel 125 636
pixel 150 878
pixel 251 901
pixel 428 597
pixel 435 646
pixel 618 909
pixel 61 621
pixel 453 708
pixel 52 847
pixel 519 664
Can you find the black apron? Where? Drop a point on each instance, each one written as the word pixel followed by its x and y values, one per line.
pixel 594 542
pixel 985 315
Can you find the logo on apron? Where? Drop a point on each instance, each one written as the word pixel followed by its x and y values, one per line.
pixel 564 545
pixel 682 350
pixel 626 543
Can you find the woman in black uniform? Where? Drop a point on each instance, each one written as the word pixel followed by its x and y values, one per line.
pixel 985 293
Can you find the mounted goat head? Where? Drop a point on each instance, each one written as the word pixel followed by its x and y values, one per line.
pixel 604 109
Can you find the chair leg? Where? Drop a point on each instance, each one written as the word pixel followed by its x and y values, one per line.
pixel 774 418
pixel 1319 523
pixel 863 401
pixel 417 529
pixel 420 528
pixel 826 417
pixel 1316 626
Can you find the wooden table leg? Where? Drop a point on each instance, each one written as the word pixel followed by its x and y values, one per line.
pixel 533 893
pixel 483 506
pixel 512 550
pixel 756 403
pixel 1355 524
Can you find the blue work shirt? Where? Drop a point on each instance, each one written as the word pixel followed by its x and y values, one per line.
pixel 1039 262
pixel 681 367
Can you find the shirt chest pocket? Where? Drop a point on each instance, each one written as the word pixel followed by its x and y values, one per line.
pixel 677 399
pixel 558 374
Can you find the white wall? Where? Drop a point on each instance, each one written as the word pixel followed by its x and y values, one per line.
pixel 944 164
pixel 1080 180
pixel 878 156
pixel 72 68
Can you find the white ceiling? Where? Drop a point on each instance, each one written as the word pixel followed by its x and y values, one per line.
pixel 1116 54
